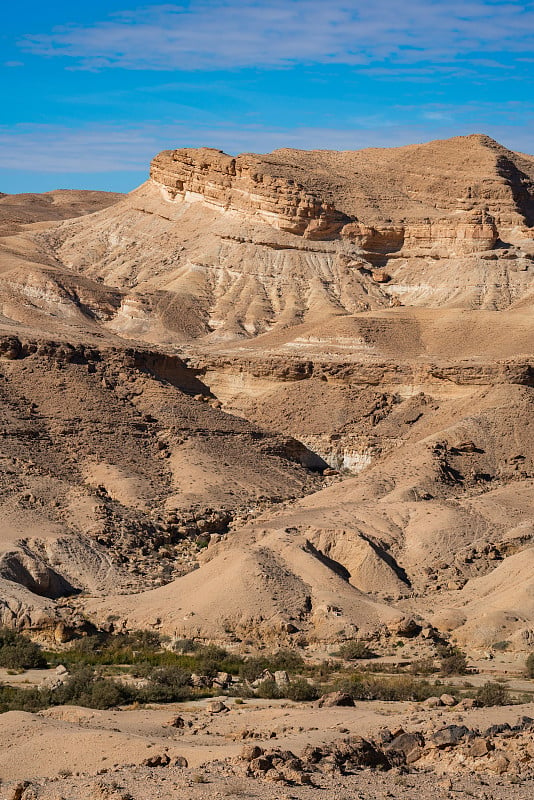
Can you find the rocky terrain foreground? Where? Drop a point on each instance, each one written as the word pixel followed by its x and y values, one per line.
pixel 273 400
pixel 395 751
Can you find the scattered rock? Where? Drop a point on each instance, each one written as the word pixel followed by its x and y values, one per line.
pixel 449 736
pixel 18 790
pixel 447 700
pixel 216 707
pixel 161 760
pixel 409 745
pixel 176 722
pixel 335 699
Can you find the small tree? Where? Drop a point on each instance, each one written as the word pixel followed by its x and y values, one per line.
pixel 19 652
pixel 354 650
pixel 493 694
pixel 453 661
pixel 301 691
pixel 268 690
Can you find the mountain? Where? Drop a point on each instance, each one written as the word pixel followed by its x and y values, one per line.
pixel 319 364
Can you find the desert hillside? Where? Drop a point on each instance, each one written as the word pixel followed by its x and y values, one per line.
pixel 305 375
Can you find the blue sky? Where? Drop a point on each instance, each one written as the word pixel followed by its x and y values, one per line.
pixel 90 92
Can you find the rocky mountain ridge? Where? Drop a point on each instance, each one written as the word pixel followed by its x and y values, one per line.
pixel 307 375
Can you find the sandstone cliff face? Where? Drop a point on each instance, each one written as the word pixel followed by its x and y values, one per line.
pixel 242 184
pixel 459 195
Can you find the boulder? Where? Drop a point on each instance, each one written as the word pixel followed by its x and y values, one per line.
pixel 381 276
pixel 216 707
pixel 199 681
pixel 260 764
pixel 161 760
pixel 480 747
pixel 449 736
pixel 222 679
pixel 466 704
pixel 499 763
pixel 250 752
pixel 408 628
pixel 493 730
pixel 432 702
pixel 335 699
pixel 19 790
pixel 358 752
pixel 447 700
pixel 312 754
pixel 281 677
pixel 409 746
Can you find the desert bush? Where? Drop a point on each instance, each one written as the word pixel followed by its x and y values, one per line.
pixel 453 660
pixel 88 688
pixel 300 691
pixel 288 660
pixel 21 699
pixel 185 646
pixel 166 685
pixel 145 648
pixel 19 652
pixel 425 666
pixel 373 687
pixel 355 649
pixel 268 690
pixel 529 666
pixel 492 694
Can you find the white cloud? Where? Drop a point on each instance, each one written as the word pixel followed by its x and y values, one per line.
pixel 96 148
pixel 111 149
pixel 218 34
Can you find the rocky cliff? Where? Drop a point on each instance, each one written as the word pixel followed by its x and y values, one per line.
pixel 462 193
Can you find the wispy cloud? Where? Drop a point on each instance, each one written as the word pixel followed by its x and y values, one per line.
pixel 215 34
pixel 94 148
pixel 61 150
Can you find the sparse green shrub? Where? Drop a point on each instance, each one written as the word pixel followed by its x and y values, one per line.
pixel 453 660
pixel 493 694
pixel 145 648
pixel 21 699
pixel 268 690
pixel 373 687
pixel 88 688
pixel 300 691
pixel 19 652
pixel 166 685
pixel 355 649
pixel 425 666
pixel 185 646
pixel 287 660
